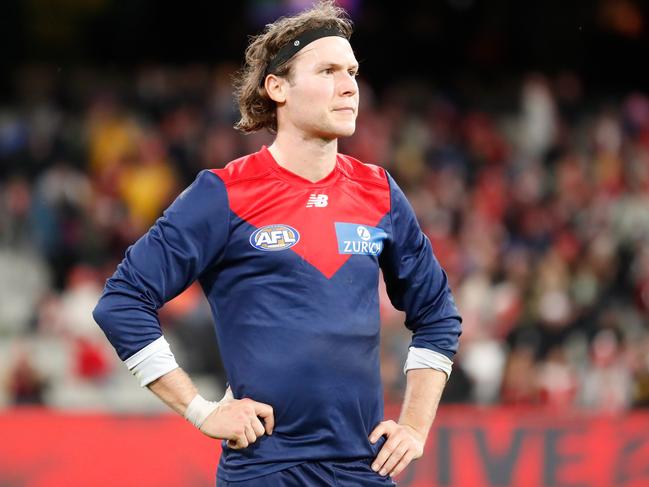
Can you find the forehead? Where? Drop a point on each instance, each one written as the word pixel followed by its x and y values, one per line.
pixel 334 49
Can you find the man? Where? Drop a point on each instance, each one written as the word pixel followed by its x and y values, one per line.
pixel 287 244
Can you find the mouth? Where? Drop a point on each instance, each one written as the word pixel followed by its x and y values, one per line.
pixel 345 110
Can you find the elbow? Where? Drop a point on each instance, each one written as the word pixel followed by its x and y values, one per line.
pixel 101 313
pixel 106 315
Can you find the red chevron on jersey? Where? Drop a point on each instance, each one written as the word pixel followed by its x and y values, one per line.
pixel 263 193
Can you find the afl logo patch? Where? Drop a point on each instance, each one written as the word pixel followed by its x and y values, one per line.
pixel 272 238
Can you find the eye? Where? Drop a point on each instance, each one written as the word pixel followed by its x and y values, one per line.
pixel 353 72
pixel 328 70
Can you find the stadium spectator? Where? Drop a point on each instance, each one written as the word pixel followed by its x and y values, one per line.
pixel 572 198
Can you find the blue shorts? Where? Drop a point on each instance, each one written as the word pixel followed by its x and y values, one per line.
pixel 319 474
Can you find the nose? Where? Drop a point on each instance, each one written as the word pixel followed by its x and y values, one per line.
pixel 347 85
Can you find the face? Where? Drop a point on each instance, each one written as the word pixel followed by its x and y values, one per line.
pixel 321 98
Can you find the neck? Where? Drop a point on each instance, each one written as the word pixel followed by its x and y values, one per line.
pixel 312 159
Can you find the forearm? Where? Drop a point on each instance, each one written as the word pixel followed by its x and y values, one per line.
pixel 175 389
pixel 405 440
pixel 423 391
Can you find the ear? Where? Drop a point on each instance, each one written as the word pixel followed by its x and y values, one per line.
pixel 276 88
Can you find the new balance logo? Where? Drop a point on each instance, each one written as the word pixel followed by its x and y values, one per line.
pixel 317 200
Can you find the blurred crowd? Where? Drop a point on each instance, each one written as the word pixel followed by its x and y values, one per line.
pixel 535 196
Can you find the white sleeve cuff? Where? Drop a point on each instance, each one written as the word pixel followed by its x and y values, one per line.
pixel 423 358
pixel 152 362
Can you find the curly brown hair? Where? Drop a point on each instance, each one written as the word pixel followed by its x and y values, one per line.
pixel 258 111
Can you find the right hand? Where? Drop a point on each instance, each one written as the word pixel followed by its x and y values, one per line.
pixel 237 420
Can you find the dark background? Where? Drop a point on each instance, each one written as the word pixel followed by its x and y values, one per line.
pixel 605 42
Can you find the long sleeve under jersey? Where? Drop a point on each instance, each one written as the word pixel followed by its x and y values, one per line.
pixel 290 269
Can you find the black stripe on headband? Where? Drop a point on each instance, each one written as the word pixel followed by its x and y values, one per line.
pixel 290 49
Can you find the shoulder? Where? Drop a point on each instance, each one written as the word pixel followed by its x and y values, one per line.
pixel 360 171
pixel 241 169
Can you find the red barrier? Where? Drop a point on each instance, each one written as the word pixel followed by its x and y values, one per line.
pixel 468 446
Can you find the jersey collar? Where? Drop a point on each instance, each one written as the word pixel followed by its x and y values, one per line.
pixel 292 178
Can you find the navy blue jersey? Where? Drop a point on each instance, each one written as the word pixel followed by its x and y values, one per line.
pixel 290 269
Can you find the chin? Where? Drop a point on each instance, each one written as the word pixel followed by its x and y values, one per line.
pixel 336 130
pixel 346 130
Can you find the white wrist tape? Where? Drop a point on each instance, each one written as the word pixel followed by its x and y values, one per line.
pixel 199 409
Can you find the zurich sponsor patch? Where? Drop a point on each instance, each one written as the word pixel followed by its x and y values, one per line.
pixel 273 238
pixel 359 239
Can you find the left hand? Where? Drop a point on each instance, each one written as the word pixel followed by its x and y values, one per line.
pixel 403 445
